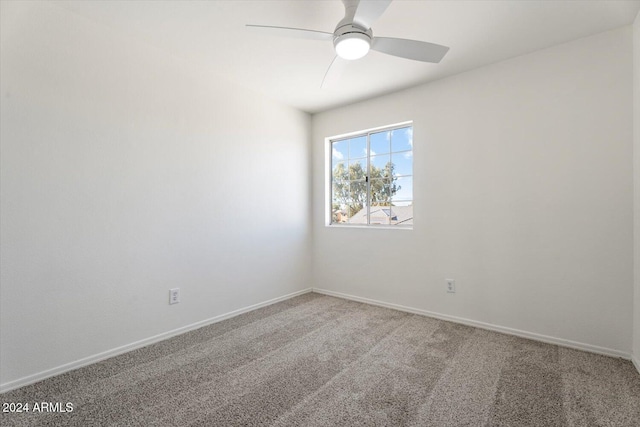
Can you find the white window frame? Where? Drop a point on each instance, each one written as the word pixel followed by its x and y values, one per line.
pixel 329 177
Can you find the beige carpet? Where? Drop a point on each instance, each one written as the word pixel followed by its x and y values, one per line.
pixel 321 361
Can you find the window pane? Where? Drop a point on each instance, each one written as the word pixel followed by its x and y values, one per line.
pixel 402 163
pixel 402 215
pixel 341 194
pixel 357 195
pixel 358 147
pixel 380 142
pixel 380 215
pixel 402 139
pixel 339 211
pixel 339 151
pixel 380 192
pixel 339 216
pixel 340 171
pixel 402 189
pixel 357 169
pixel 380 166
pixel 359 216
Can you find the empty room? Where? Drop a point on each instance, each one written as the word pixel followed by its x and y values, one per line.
pixel 320 213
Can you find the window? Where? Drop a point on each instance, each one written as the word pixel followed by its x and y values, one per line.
pixel 372 178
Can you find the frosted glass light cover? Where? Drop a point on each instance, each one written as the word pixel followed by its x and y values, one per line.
pixel 352 46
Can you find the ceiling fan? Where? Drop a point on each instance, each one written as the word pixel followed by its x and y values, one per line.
pixel 353 37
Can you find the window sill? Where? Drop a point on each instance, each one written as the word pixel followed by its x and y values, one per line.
pixel 372 227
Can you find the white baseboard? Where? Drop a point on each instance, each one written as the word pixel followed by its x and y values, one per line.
pixel 21 382
pixel 496 328
pixel 636 363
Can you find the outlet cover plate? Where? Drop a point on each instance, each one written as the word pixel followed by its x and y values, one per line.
pixel 174 296
pixel 451 286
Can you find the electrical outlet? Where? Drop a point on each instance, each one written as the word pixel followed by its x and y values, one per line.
pixel 451 286
pixel 174 296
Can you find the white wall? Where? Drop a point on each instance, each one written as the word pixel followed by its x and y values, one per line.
pixel 636 180
pixel 126 172
pixel 523 194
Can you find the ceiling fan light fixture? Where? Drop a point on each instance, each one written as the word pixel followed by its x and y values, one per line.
pixel 352 45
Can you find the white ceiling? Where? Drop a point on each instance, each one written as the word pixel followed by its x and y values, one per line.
pixel 212 34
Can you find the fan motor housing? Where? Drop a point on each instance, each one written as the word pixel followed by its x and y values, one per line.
pixel 350 30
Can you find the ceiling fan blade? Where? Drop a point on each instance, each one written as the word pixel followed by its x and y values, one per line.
pixel 299 33
pixel 369 11
pixel 333 73
pixel 410 49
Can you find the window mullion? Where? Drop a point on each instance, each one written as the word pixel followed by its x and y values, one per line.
pixel 368 178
